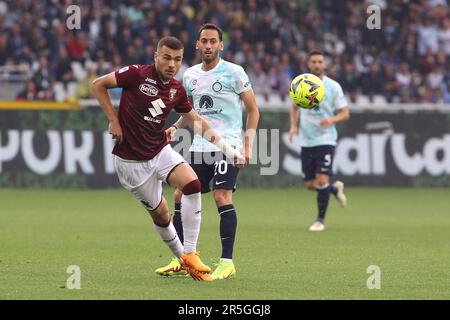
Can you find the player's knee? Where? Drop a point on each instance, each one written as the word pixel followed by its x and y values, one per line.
pixel 321 182
pixel 192 187
pixel 177 195
pixel 222 197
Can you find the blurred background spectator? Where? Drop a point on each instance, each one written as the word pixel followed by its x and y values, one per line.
pixel 30 92
pixel 84 87
pixel 407 60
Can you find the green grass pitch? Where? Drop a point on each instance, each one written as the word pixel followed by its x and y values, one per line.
pixel 405 232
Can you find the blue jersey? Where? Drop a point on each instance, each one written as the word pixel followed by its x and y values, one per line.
pixel 216 97
pixel 311 132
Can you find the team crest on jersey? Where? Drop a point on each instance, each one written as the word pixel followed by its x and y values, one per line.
pixel 148 89
pixel 217 86
pixel 172 94
pixel 194 82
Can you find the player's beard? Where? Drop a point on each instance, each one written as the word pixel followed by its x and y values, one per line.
pixel 165 77
pixel 171 75
pixel 318 73
pixel 213 56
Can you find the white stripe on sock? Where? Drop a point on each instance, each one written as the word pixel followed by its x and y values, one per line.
pixel 226 211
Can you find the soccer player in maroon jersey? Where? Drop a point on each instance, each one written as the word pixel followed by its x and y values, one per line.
pixel 143 159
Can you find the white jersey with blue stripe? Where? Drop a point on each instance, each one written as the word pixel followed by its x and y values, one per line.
pixel 216 97
pixel 312 134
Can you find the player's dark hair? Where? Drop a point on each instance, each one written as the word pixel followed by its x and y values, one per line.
pixel 210 26
pixel 170 42
pixel 316 53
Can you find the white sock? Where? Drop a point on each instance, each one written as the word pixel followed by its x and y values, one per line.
pixel 191 217
pixel 170 238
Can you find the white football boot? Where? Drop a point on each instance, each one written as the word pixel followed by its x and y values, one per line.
pixel 317 226
pixel 340 196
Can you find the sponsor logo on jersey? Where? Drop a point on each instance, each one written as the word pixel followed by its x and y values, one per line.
pixel 150 80
pixel 204 112
pixel 206 102
pixel 148 89
pixel 156 110
pixel 172 94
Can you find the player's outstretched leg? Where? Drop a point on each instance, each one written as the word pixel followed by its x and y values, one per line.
pixel 164 227
pixel 174 267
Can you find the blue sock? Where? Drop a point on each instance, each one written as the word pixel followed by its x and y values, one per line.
pixel 177 221
pixel 323 195
pixel 228 225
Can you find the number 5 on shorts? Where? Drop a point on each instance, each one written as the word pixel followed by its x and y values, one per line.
pixel 327 159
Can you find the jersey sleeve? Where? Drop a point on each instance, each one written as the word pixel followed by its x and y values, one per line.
pixel 340 101
pixel 241 81
pixel 126 76
pixel 184 105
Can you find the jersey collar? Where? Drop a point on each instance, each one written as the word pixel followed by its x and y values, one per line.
pixel 211 70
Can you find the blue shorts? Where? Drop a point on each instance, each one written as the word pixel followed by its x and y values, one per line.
pixel 213 166
pixel 317 160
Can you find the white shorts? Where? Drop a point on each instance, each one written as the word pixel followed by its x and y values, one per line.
pixel 144 178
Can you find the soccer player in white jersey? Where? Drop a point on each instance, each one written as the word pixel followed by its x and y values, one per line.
pixel 318 139
pixel 217 89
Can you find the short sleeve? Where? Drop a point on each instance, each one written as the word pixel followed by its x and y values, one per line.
pixel 241 81
pixel 126 76
pixel 341 102
pixel 184 105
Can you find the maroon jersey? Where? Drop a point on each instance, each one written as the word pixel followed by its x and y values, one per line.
pixel 144 106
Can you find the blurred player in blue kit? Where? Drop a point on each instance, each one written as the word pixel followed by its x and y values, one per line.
pixel 318 138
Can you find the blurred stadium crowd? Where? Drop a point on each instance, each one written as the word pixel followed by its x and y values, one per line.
pixel 406 60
